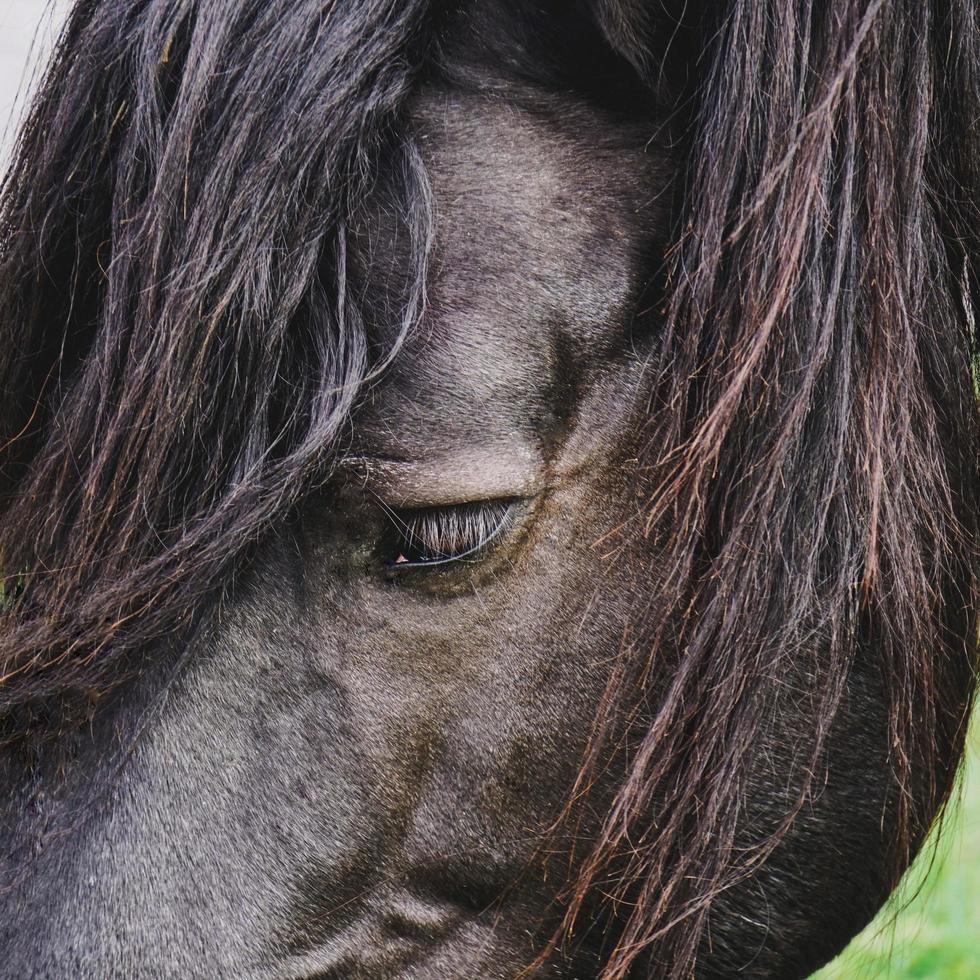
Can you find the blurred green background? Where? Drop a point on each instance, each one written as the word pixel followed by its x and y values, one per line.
pixel 932 934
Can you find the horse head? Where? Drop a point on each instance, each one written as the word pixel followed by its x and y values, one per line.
pixel 489 489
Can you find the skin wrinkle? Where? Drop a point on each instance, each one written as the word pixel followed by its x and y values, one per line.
pixel 688 715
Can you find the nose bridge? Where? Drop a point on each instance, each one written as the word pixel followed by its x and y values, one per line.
pixel 130 863
pixel 53 800
pixel 54 892
pixel 177 852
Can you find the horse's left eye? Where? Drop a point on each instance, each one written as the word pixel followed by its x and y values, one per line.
pixel 439 535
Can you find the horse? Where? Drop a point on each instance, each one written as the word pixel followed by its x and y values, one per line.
pixel 489 489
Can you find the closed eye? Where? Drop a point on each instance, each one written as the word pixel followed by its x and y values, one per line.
pixel 437 536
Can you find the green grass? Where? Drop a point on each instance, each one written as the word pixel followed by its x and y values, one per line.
pixel 935 934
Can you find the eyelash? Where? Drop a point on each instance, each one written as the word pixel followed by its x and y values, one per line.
pixel 444 535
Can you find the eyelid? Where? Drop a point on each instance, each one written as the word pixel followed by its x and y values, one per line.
pixel 467 478
pixel 501 521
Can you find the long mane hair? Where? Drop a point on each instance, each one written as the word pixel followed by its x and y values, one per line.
pixel 182 347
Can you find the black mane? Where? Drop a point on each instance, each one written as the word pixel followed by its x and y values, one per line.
pixel 181 347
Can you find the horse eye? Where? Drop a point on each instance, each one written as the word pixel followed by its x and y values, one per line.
pixel 440 535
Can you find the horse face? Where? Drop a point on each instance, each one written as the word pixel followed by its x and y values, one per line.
pixel 358 765
pixel 353 770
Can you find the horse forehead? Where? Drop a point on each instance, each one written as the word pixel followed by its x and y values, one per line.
pixel 543 232
pixel 541 216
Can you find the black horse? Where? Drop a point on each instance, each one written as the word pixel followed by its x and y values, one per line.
pixel 489 488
